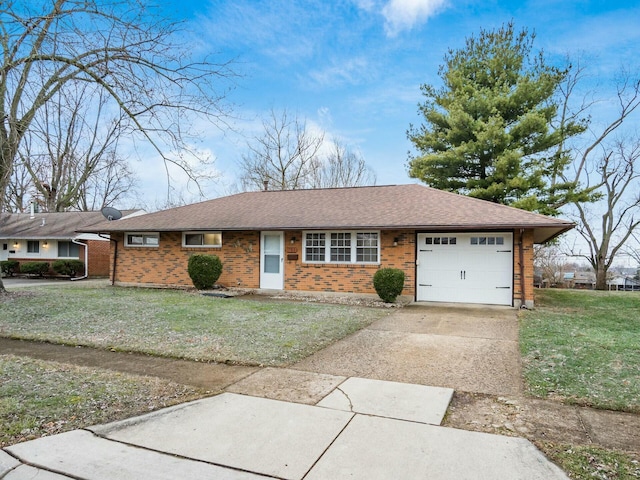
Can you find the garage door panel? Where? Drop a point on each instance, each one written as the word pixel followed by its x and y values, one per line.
pixel 465 268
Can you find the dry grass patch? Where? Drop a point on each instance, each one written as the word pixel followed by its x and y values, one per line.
pixel 39 398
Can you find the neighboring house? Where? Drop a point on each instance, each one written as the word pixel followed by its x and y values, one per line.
pixel 47 237
pixel 623 282
pixel 452 248
pixel 583 280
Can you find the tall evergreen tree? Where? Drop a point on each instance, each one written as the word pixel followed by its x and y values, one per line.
pixel 488 131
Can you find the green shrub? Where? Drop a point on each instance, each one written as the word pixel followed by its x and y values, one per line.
pixel 388 283
pixel 204 270
pixel 35 268
pixel 68 267
pixel 9 267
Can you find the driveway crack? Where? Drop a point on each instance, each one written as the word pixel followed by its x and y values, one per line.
pixel 348 399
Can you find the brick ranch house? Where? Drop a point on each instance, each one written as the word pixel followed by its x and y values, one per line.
pixel 452 248
pixel 47 237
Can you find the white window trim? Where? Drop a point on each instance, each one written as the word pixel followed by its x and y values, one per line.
pixel 143 234
pixel 204 232
pixel 327 247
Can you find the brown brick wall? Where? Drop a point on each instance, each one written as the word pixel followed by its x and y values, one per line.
pixel 240 255
pixel 98 257
pixel 167 264
pixel 526 244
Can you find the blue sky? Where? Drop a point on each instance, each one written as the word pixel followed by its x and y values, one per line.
pixel 353 68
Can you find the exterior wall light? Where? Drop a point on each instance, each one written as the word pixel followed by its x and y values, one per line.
pixel 395 241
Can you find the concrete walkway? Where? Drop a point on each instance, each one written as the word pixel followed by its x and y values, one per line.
pixel 361 429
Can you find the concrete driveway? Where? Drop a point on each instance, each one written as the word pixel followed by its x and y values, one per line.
pixel 468 348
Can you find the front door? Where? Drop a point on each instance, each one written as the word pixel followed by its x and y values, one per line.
pixel 272 260
pixel 4 251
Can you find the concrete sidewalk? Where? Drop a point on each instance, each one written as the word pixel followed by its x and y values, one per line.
pixel 359 429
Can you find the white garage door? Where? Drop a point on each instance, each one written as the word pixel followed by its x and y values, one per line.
pixel 465 268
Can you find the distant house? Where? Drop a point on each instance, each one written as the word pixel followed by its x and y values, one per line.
pixel 452 248
pixel 47 237
pixel 623 282
pixel 583 280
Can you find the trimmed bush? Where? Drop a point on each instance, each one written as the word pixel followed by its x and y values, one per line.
pixel 204 270
pixel 9 267
pixel 68 267
pixel 35 268
pixel 388 283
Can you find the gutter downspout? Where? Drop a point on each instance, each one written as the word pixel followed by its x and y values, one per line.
pixel 522 282
pixel 115 256
pixel 86 259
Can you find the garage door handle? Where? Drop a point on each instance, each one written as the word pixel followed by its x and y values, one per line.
pixel 425 285
pixel 504 287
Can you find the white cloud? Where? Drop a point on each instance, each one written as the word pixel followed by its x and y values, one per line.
pixel 351 72
pixel 404 14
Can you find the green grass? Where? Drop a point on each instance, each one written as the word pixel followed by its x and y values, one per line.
pixel 44 398
pixel 180 324
pixel 589 462
pixel 584 347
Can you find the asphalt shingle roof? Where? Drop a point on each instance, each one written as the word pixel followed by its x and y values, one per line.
pixel 61 225
pixel 380 207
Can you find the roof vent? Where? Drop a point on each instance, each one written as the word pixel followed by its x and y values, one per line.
pixel 266 185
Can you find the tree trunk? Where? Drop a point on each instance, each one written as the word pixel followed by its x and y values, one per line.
pixel 2 289
pixel 601 277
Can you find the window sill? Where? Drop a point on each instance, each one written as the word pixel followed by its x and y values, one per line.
pixel 340 265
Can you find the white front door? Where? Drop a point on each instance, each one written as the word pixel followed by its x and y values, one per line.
pixel 465 267
pixel 4 250
pixel 272 260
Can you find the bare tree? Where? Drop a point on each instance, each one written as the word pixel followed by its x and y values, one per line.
pixel 341 167
pixel 118 46
pixel 71 139
pixel 19 190
pixel 607 230
pixel 283 155
pixel 112 183
pixel 551 262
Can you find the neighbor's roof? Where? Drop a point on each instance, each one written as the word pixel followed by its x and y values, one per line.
pixel 380 207
pixel 57 225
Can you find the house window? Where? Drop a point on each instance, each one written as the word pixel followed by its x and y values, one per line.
pixel 341 247
pixel 142 239
pixel 68 249
pixel 202 239
pixel 33 246
pixel 344 247
pixel 314 247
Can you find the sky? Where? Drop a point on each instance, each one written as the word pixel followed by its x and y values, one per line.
pixel 353 68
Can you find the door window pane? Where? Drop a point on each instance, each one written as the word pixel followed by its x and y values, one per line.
pixel 272 264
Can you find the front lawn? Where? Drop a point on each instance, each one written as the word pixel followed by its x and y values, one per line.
pixel 40 398
pixel 584 347
pixel 180 324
